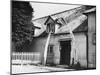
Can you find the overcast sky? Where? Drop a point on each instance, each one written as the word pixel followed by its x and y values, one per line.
pixel 44 9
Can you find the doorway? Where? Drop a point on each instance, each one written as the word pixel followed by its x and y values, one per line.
pixel 65 52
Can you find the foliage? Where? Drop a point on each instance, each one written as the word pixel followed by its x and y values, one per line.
pixel 22 27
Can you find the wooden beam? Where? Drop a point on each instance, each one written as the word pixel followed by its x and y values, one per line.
pixel 46 49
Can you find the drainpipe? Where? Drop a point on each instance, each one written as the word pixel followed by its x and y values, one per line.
pixel 87 47
pixel 73 45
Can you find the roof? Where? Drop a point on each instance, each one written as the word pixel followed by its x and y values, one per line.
pixel 90 10
pixel 83 27
pixel 49 20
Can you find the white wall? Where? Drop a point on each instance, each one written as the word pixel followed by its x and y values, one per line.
pixel 79 50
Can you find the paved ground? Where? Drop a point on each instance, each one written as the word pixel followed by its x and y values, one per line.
pixel 32 69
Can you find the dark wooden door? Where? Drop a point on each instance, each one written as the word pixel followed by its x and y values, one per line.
pixel 65 52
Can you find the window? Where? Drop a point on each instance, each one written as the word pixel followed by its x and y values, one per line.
pixel 50 49
pixel 50 27
pixel 94 38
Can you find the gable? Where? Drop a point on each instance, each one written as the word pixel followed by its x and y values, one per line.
pixel 49 20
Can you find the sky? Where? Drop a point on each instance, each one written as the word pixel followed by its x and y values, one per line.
pixel 45 9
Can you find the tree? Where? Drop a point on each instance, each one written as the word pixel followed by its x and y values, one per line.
pixel 22 27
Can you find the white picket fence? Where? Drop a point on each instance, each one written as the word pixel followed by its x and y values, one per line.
pixel 26 58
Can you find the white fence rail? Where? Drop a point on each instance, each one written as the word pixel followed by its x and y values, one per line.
pixel 26 58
